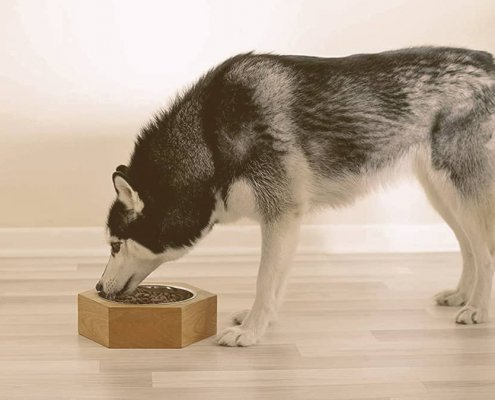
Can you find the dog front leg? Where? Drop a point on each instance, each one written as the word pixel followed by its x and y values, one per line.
pixel 279 240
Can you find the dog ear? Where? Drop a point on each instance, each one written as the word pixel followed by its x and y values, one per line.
pixel 125 193
pixel 122 168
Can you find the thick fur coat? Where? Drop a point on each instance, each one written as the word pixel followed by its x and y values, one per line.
pixel 272 137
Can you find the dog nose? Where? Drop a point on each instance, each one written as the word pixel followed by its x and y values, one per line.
pixel 99 287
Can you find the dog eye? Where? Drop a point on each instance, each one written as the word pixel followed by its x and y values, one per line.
pixel 115 247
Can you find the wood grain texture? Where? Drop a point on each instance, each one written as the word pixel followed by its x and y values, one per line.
pixel 148 326
pixel 93 320
pixel 352 327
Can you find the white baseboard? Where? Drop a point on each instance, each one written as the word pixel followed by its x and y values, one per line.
pixel 231 240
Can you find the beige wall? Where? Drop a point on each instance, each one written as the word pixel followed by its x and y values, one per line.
pixel 78 78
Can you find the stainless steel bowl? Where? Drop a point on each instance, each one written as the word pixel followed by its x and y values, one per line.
pixel 155 286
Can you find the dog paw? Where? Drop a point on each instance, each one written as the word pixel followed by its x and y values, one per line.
pixel 238 317
pixel 236 336
pixel 471 315
pixel 451 298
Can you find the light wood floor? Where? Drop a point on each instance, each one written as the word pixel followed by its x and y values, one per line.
pixel 353 327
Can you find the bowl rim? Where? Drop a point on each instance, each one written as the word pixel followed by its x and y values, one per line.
pixel 194 294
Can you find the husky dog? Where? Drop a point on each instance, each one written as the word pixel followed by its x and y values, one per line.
pixel 272 137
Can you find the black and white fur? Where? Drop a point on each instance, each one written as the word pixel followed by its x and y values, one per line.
pixel 273 137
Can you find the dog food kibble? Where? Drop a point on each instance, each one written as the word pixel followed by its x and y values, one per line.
pixel 154 294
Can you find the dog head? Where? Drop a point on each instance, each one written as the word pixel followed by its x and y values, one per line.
pixel 145 231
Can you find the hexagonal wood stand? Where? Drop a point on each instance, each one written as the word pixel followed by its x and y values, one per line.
pixel 153 326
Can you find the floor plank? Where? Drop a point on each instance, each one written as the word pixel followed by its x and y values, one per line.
pixel 352 327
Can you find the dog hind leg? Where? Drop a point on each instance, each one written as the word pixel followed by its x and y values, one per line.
pixel 462 161
pixel 472 218
pixel 477 222
pixel 445 208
